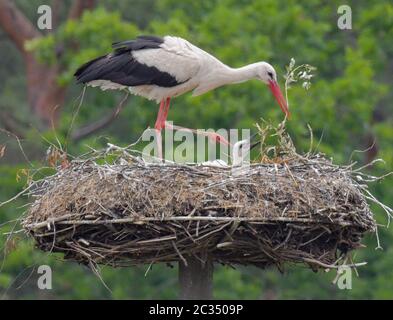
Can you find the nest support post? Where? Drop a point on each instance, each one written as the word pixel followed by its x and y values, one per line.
pixel 196 278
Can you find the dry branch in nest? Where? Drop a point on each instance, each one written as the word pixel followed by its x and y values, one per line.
pixel 286 209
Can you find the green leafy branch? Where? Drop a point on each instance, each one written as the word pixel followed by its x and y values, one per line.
pixel 303 72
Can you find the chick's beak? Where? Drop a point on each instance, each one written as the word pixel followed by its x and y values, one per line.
pixel 253 141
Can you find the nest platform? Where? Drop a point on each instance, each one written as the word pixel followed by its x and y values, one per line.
pixel 128 212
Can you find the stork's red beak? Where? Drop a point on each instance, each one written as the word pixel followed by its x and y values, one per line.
pixel 274 87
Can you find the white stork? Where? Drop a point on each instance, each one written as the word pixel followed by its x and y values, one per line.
pixel 161 68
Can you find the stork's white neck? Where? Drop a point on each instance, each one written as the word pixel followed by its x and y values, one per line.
pixel 237 75
pixel 239 155
pixel 237 158
pixel 222 75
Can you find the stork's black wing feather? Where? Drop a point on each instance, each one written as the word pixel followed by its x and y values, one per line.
pixel 141 42
pixel 81 71
pixel 122 68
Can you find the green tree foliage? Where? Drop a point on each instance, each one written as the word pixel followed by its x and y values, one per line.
pixel 348 106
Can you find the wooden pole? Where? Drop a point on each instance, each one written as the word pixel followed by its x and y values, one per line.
pixel 196 279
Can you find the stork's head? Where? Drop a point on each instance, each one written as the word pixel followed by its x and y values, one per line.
pixel 267 74
pixel 242 148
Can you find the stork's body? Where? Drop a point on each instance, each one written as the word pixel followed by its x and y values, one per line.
pixel 161 68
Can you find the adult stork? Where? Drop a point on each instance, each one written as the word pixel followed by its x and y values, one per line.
pixel 161 68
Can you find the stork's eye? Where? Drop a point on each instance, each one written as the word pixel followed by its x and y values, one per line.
pixel 270 74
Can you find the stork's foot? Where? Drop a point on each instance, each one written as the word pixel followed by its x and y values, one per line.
pixel 215 137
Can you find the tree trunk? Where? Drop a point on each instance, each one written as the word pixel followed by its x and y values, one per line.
pixel 45 96
pixel 196 279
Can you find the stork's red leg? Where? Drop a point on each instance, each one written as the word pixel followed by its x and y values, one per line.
pixel 160 122
pixel 166 110
pixel 214 136
pixel 160 116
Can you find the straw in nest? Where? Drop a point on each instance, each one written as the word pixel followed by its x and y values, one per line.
pixel 126 212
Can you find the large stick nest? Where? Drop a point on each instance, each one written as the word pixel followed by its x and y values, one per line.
pixel 294 209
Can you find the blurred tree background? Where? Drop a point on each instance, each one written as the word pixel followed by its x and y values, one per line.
pixel 349 107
